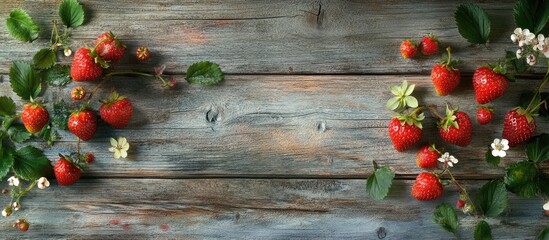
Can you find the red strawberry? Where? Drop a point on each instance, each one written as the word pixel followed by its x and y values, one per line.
pixel 484 115
pixel 408 49
pixel 456 128
pixel 89 157
pixel 66 171
pixel 444 76
pixel 405 130
pixel 22 225
pixel 426 187
pixel 428 45
pixel 78 93
pixel 34 117
pixel 142 54
pixel 116 111
pixel 460 204
pixel 83 124
pixel 427 157
pixel 518 126
pixel 109 48
pixel 85 65
pixel 489 84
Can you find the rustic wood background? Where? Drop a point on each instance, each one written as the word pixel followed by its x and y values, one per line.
pixel 281 149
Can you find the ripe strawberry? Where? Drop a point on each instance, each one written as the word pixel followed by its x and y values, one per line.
pixel 22 225
pixel 109 47
pixel 429 45
pixel 34 117
pixel 405 130
pixel 427 157
pixel 78 93
pixel 408 49
pixel 142 54
pixel 484 115
pixel 83 124
pixel 426 187
pixel 66 171
pixel 518 126
pixel 460 204
pixel 89 157
pixel 456 128
pixel 489 84
pixel 444 76
pixel 85 65
pixel 116 111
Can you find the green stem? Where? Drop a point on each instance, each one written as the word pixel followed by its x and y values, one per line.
pixel 463 191
pixel 449 56
pixel 545 79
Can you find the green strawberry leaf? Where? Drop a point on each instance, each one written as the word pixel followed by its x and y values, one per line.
pixel 18 133
pixel 31 163
pixel 491 159
pixel 446 217
pixel 538 148
pixel 379 183
pixel 544 234
pixel 24 80
pixel 45 58
pixel 21 26
pixel 60 115
pixel 522 179
pixel 205 73
pixel 473 23
pixel 532 15
pixel 6 156
pixel 7 106
pixel 8 121
pixel 519 65
pixel 483 231
pixel 492 199
pixel 58 75
pixel 71 13
pixel 48 134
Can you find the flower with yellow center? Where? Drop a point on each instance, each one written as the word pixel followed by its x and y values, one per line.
pixel 119 147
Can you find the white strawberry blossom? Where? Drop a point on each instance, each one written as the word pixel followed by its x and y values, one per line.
pixel 542 46
pixel 522 37
pixel 546 206
pixel 119 147
pixel 448 159
pixel 520 53
pixel 16 206
pixel 6 212
pixel 13 181
pixel 68 52
pixel 43 183
pixel 531 59
pixel 499 147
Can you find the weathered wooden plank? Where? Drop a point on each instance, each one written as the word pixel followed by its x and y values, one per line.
pixel 278 126
pixel 273 36
pixel 250 209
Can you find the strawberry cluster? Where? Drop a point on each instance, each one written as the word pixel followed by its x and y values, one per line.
pixel 427 46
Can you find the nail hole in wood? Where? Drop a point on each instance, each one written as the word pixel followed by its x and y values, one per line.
pixel 321 127
pixel 211 116
pixel 381 233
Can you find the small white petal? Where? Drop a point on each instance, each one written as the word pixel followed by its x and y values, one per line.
pixel 546 206
pixel 502 153
pixel 117 154
pixel 125 147
pixel 441 160
pixel 122 141
pixel 504 141
pixel 493 145
pixel 514 38
pixel 450 164
pixel 123 154
pixel 114 143
pixel 495 153
pixel 112 149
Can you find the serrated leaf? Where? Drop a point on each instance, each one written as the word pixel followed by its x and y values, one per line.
pixel 473 23
pixel 24 80
pixel 31 163
pixel 71 13
pixel 7 106
pixel 48 134
pixel 45 58
pixel 492 199
pixel 379 183
pixel 531 15
pixel 522 179
pixel 6 157
pixel 21 26
pixel 483 231
pixel 537 149
pixel 544 234
pixel 8 121
pixel 205 73
pixel 60 115
pixel 446 217
pixel 491 159
pixel 18 133
pixel 58 75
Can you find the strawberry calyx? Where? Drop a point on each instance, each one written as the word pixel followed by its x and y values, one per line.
pixel 402 97
pixel 449 120
pixel 433 37
pixel 489 108
pixel 526 112
pixel 115 97
pixel 76 160
pixel 432 147
pixel 412 119
pixel 97 59
pixel 447 60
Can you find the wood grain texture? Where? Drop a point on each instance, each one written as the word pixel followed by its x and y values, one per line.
pixel 252 209
pixel 278 126
pixel 281 37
